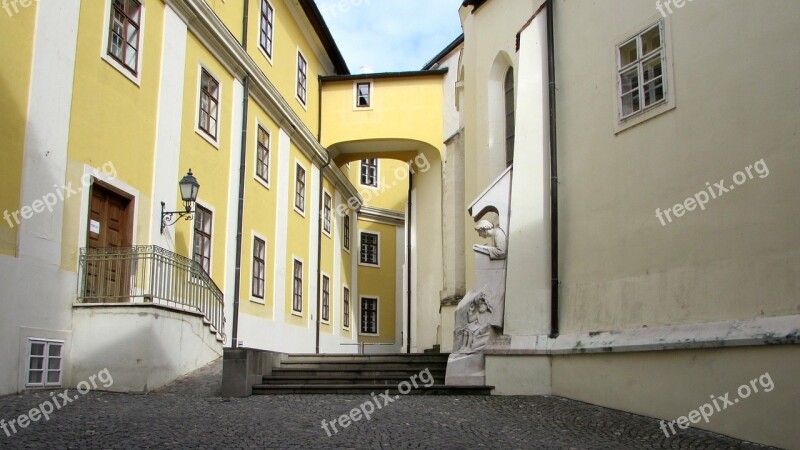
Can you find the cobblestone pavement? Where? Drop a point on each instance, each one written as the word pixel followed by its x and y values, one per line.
pixel 189 414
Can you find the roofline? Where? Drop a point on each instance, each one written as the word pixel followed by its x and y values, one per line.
pixel 318 23
pixel 370 76
pixel 452 46
pixel 474 3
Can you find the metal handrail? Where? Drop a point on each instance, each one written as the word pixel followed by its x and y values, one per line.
pixel 149 274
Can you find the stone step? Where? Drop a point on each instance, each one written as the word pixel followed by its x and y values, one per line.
pixel 368 389
pixel 392 358
pixel 436 372
pixel 388 380
pixel 355 365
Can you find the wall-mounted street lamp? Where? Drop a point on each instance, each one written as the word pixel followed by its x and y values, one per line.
pixel 189 188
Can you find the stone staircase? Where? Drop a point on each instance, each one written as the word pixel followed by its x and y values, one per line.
pixel 363 374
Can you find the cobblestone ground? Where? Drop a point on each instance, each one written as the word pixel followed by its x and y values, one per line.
pixel 190 414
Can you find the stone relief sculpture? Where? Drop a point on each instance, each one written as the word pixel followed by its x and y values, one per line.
pixel 479 315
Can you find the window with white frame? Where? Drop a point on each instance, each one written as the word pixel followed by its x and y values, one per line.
pixel 297 287
pixel 363 95
pixel 262 155
pixel 508 88
pixel 202 237
pixel 259 266
pixel 209 104
pixel 300 189
pixel 346 232
pixel 44 363
pixel 326 213
pixel 369 172
pixel 369 248
pixel 369 315
pixel 346 307
pixel 326 298
pixel 267 27
pixel 640 70
pixel 302 78
pixel 124 33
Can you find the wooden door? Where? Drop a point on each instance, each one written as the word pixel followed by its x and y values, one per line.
pixel 110 226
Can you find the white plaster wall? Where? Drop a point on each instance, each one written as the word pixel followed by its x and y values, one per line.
pixel 233 210
pixel 142 347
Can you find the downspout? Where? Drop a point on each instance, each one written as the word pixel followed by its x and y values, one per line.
pixel 240 210
pixel 551 75
pixel 408 263
pixel 321 214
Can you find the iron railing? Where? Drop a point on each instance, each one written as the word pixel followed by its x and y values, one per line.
pixel 149 274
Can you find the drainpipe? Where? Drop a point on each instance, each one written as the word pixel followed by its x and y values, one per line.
pixel 321 214
pixel 551 75
pixel 408 263
pixel 240 210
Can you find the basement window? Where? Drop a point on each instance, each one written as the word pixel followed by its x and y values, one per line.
pixel 44 363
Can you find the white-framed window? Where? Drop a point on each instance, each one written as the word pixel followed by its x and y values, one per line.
pixel 369 172
pixel 369 316
pixel 297 287
pixel 641 71
pixel 259 266
pixel 209 101
pixel 44 363
pixel 327 213
pixel 123 37
pixel 370 248
pixel 202 243
pixel 300 189
pixel 346 308
pixel 267 29
pixel 326 299
pixel 346 232
pixel 302 79
pixel 363 94
pixel 262 156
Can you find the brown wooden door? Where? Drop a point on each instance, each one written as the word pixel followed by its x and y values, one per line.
pixel 110 226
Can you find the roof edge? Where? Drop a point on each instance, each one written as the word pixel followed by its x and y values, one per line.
pixel 450 47
pixel 370 76
pixel 321 28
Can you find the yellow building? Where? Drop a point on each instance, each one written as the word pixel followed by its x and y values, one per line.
pixel 124 100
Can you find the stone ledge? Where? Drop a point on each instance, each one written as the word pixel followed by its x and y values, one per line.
pixel 781 330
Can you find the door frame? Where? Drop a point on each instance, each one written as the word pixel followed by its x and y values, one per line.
pixel 90 176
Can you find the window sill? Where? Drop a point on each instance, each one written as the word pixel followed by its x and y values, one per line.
pixel 300 211
pixel 261 181
pixel 207 138
pixel 259 301
pixel 135 79
pixel 297 313
pixel 376 266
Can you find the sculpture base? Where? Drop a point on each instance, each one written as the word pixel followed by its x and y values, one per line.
pixel 466 370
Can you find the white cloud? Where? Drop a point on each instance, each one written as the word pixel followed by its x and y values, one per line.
pixel 391 35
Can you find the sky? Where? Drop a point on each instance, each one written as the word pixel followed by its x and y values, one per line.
pixel 391 35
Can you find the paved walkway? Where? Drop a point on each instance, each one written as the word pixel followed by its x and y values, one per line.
pixel 189 414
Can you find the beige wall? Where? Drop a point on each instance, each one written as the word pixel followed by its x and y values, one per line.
pixel 739 258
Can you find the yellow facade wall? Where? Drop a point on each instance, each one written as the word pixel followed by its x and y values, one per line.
pixel 379 282
pixel 210 164
pixel 392 190
pixel 260 217
pixel 16 48
pixel 347 274
pixel 298 240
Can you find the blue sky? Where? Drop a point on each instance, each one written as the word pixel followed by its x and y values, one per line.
pixel 391 35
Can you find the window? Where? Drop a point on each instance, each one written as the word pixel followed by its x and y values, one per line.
pixel 302 78
pixel 202 237
pixel 369 172
pixel 363 94
pixel 369 315
pixel 346 306
pixel 346 232
pixel 300 189
pixel 326 298
pixel 297 287
pixel 267 27
pixel 262 155
pixel 326 213
pixel 44 366
pixel 209 104
pixel 640 66
pixel 123 36
pixel 508 86
pixel 259 256
pixel 369 248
